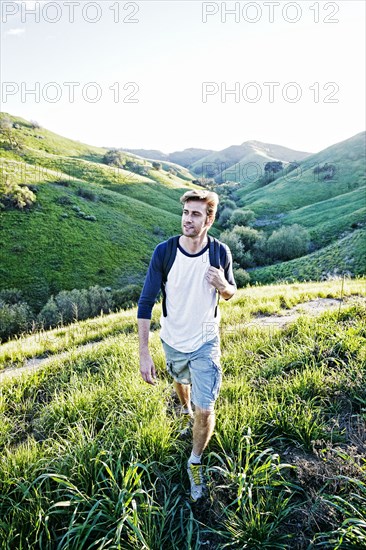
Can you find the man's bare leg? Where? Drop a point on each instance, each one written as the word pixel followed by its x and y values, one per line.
pixel 203 427
pixel 184 394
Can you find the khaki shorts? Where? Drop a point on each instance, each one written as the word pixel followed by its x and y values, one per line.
pixel 201 368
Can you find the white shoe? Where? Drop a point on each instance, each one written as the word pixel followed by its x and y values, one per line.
pixel 196 479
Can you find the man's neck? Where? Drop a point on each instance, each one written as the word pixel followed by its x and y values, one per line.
pixel 193 245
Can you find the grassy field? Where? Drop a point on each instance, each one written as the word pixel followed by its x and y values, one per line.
pixel 90 455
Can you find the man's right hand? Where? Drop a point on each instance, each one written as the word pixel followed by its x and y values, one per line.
pixel 147 369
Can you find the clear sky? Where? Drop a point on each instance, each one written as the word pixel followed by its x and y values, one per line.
pixel 158 74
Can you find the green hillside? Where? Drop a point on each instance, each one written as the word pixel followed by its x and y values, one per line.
pixel 90 455
pixel 238 162
pixel 91 223
pixel 303 186
pixel 345 256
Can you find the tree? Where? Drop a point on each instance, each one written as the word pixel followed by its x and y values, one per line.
pixel 156 165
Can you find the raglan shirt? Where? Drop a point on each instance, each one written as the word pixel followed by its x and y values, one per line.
pixel 190 299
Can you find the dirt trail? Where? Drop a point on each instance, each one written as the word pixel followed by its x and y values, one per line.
pixel 312 307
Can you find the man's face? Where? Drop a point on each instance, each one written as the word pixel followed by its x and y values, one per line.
pixel 194 219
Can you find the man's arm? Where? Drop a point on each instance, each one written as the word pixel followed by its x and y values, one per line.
pixel 146 302
pixel 147 367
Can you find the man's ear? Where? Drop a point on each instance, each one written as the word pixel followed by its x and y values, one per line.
pixel 210 220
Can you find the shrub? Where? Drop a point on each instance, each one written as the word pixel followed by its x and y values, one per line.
pixel 49 316
pixel 100 300
pixel 126 297
pixel 224 217
pixel 64 200
pixel 233 242
pixel 35 125
pixel 73 305
pixel 14 319
pixel 87 194
pixel 241 217
pixel 226 203
pixel 113 157
pixel 243 243
pixel 11 296
pixel 242 277
pixel 64 183
pixel 14 195
pixel 156 165
pixel 288 242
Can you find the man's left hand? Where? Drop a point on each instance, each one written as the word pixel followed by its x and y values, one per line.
pixel 216 278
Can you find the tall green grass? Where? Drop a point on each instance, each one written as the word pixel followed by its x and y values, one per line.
pixel 90 455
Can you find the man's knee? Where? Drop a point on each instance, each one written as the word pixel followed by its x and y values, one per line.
pixel 204 415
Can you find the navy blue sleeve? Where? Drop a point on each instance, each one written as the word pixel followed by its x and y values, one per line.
pixel 152 283
pixel 225 254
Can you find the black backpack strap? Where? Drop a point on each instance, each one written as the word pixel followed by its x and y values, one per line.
pixel 215 260
pixel 214 252
pixel 169 257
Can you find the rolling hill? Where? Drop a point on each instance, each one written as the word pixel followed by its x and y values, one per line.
pixel 91 223
pixel 231 163
pixel 326 193
pixel 82 229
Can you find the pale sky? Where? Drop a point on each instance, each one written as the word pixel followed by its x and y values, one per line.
pixel 158 74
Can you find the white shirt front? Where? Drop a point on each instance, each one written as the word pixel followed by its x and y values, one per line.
pixel 190 303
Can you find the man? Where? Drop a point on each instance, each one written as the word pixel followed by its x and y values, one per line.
pixel 190 312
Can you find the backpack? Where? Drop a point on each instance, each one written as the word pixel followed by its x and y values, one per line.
pixel 215 250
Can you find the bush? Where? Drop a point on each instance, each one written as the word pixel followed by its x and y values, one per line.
pixel 14 319
pixel 11 296
pixel 113 157
pixel 288 242
pixel 73 305
pixel 242 277
pixel 236 247
pixel 14 195
pixel 243 243
pixel 64 200
pixel 226 203
pixel 126 297
pixel 35 125
pixel 100 301
pixel 224 217
pixel 241 217
pixel 49 316
pixel 87 194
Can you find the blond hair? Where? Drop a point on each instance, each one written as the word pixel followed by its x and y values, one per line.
pixel 209 197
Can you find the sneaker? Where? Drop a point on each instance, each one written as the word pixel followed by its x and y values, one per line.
pixel 186 423
pixel 197 482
